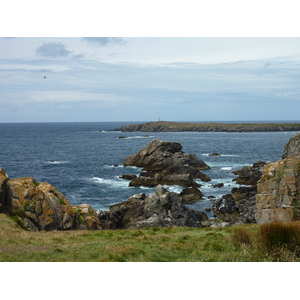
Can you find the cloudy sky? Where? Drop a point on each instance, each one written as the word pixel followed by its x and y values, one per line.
pixel 145 78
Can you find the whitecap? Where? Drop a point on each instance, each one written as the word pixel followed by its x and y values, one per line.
pixel 139 137
pixel 114 183
pixel 56 162
pixel 226 168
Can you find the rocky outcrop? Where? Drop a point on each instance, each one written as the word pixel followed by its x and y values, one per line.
pixel 160 209
pixel 164 163
pixel 278 191
pixel 293 146
pixel 249 175
pixel 39 205
pixel 240 205
pixel 163 126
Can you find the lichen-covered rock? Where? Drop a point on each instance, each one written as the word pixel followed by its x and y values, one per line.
pixel 278 191
pixel 161 209
pixel 293 146
pixel 39 205
pixel 88 217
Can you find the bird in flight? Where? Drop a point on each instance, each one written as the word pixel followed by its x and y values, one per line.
pixel 45 77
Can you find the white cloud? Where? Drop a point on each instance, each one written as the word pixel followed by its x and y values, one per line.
pixel 53 50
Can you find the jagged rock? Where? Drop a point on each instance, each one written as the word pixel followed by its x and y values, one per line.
pixel 250 175
pixel 278 191
pixel 88 217
pixel 218 185
pixel 293 146
pixel 165 163
pixel 38 205
pixel 161 209
pixel 190 195
pixel 225 209
pixel 128 176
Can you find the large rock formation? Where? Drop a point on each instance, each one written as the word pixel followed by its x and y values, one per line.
pixel 240 205
pixel 160 209
pixel 39 205
pixel 164 163
pixel 278 191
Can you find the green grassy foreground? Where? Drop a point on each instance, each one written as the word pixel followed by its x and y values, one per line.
pixel 228 244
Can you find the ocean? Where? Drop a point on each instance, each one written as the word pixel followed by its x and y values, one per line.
pixel 84 160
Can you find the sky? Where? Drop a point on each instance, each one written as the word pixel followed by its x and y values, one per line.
pixel 127 76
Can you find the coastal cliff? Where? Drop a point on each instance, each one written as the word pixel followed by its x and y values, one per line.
pixel 163 126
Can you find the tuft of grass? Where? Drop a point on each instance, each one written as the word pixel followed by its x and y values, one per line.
pixel 241 237
pixel 277 235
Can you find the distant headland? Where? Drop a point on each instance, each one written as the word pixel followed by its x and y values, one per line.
pixel 164 126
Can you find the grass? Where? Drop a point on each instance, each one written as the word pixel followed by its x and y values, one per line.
pixel 228 244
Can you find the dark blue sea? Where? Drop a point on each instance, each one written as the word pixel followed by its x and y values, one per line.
pixel 80 158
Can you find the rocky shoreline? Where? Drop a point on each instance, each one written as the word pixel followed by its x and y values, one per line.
pixel 268 192
pixel 164 126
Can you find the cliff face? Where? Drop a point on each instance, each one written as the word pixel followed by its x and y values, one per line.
pixel 278 190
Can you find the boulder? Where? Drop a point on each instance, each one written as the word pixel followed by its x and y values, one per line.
pixel 39 206
pixel 161 209
pixel 164 163
pixel 225 209
pixel 88 217
pixel 190 195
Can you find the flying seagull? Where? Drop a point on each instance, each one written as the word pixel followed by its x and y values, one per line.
pixel 45 77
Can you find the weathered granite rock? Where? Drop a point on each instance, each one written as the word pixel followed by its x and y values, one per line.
pixel 88 217
pixel 39 205
pixel 293 146
pixel 225 209
pixel 278 191
pixel 165 163
pixel 249 175
pixel 190 195
pixel 161 209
